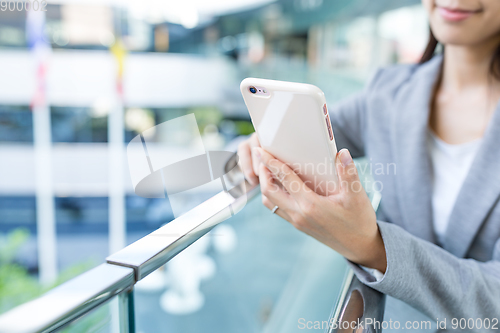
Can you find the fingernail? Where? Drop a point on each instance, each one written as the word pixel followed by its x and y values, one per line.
pixel 256 152
pixel 345 157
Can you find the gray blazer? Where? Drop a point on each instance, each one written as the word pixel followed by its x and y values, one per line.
pixel 388 123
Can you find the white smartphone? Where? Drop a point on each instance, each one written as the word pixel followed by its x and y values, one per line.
pixel 292 123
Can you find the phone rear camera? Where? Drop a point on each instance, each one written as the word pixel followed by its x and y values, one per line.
pixel 253 90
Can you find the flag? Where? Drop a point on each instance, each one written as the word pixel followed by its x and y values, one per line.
pixel 41 50
pixel 119 52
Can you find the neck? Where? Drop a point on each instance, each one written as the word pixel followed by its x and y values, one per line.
pixel 467 66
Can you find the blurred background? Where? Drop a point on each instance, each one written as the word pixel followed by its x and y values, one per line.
pixel 79 79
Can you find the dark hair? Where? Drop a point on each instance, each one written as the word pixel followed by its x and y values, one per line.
pixel 430 49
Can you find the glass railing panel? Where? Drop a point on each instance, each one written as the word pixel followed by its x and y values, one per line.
pixel 72 300
pixel 231 280
pixel 311 291
pixel 252 273
pixel 96 321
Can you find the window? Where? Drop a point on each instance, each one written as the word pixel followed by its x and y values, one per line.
pixel 16 124
pixel 78 124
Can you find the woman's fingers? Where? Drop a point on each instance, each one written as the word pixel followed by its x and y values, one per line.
pixel 341 226
pixel 248 164
pixel 254 142
pixel 273 191
pixel 348 174
pixel 285 175
pixel 270 205
pixel 245 162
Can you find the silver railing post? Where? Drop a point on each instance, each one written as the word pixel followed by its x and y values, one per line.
pixel 356 303
pixel 126 312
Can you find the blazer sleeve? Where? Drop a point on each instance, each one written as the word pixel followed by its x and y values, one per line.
pixel 433 280
pixel 348 118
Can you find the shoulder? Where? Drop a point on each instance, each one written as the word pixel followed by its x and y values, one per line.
pixel 392 76
pixel 390 79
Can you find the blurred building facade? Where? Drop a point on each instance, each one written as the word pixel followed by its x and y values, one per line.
pixel 179 60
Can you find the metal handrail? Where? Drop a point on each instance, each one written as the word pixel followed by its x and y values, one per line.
pixel 71 300
pixel 154 250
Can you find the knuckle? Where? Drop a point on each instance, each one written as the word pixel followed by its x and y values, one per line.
pixel 273 165
pixel 243 146
pixel 358 200
pixel 286 173
pixel 248 171
pixel 254 139
pixel 300 223
pixel 357 186
pixel 264 188
pixel 281 175
pixel 308 208
pixel 351 202
pixel 352 171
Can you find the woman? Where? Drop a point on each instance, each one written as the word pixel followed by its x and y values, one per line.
pixel 435 243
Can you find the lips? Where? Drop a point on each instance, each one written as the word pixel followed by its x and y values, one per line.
pixel 455 15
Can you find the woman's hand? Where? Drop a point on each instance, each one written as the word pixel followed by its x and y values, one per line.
pixel 247 162
pixel 344 221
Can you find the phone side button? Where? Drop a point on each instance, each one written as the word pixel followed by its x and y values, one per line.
pixel 329 126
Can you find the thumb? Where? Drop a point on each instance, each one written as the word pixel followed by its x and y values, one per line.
pixel 347 172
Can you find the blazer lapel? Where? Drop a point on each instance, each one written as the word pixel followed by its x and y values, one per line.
pixel 479 193
pixel 413 167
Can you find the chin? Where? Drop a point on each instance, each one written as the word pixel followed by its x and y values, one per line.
pixel 455 35
pixel 453 39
